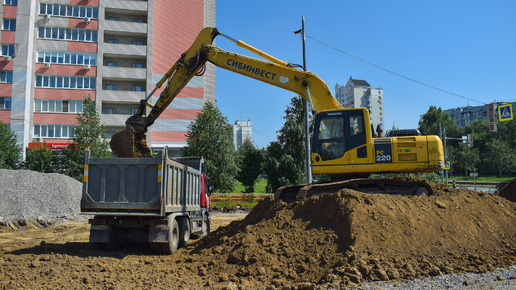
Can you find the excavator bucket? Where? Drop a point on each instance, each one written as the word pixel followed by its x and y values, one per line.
pixel 130 144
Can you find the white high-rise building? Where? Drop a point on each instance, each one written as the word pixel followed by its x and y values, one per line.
pixel 241 130
pixel 359 93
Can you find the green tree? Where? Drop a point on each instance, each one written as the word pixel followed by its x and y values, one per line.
pixel 284 164
pixel 211 136
pixel 465 158
pixel 429 124
pixel 500 156
pixel 90 134
pixel 39 159
pixel 251 160
pixel 10 151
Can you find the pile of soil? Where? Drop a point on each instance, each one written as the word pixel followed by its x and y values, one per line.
pixel 344 239
pixel 130 144
pixel 333 241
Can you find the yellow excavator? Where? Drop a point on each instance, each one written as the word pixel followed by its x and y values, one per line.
pixel 343 145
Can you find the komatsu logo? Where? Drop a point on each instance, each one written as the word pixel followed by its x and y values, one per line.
pixel 251 69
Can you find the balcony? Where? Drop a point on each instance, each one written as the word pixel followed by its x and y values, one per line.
pixel 125 27
pixel 126 73
pixel 125 49
pixel 122 96
pixel 126 5
pixel 114 120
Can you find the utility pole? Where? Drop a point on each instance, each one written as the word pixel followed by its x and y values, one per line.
pixel 305 110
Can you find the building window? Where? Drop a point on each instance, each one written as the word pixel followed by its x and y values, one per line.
pixel 73 34
pixel 8 50
pixel 11 2
pixel 65 82
pixel 138 20
pixel 69 10
pixel 53 131
pixel 138 42
pixel 113 18
pixel 112 40
pixel 111 87
pixel 6 76
pixel 134 110
pixel 58 106
pixel 67 57
pixel 110 110
pixel 137 65
pixel 112 63
pixel 5 103
pixel 9 24
pixel 137 88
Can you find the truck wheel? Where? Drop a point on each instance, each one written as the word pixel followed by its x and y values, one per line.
pixel 205 225
pixel 184 231
pixel 173 238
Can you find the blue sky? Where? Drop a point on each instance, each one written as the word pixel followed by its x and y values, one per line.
pixel 464 47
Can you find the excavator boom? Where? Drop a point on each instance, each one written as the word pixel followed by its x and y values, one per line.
pixel 343 146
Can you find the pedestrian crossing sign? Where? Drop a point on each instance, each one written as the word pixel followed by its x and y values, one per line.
pixel 505 112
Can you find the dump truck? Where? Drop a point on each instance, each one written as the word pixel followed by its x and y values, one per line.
pixel 158 200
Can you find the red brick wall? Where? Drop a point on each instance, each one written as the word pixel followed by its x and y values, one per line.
pixel 176 24
pixel 168 136
pixel 63 94
pixel 5 116
pixel 55 118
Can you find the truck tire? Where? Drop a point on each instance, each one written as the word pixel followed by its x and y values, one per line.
pixel 205 225
pixel 173 238
pixel 184 231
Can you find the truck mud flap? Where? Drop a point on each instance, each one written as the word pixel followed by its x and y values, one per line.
pixel 158 234
pixel 100 233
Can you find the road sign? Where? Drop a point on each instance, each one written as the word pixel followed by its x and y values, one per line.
pixel 505 112
pixel 447 166
pixel 473 174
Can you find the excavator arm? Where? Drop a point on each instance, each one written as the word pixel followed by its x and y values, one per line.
pixel 273 71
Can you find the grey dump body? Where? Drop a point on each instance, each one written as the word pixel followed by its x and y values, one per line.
pixel 143 199
pixel 141 186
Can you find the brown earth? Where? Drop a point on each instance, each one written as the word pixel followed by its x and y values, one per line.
pixel 338 240
pixel 130 144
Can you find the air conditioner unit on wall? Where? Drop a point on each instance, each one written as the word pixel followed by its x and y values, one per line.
pixel 87 66
pixel 46 64
pixel 48 16
pixel 7 58
pixel 87 19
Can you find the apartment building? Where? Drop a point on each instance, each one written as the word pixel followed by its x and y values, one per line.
pixel 464 116
pixel 242 130
pixel 359 93
pixel 57 52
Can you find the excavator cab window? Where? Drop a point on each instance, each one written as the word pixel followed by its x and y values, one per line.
pixel 331 137
pixel 339 132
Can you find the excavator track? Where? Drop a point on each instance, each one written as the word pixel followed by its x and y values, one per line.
pixel 365 185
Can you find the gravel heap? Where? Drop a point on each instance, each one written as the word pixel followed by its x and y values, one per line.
pixel 42 197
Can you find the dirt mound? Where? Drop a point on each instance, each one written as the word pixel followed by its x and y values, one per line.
pixel 333 241
pixel 343 239
pixel 509 191
pixel 130 144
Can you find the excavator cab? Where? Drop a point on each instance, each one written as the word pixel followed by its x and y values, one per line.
pixel 337 132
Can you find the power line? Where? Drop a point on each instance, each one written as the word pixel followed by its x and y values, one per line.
pixel 394 73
